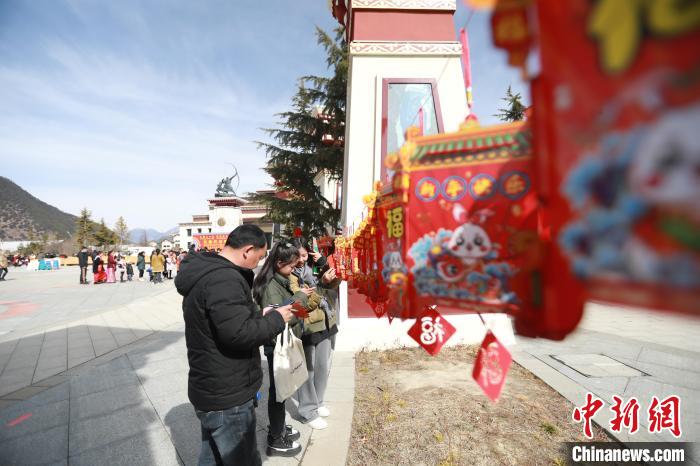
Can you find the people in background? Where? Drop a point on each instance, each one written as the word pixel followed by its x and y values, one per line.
pixel 3 265
pixel 98 266
pixel 111 268
pixel 121 268
pixel 129 271
pixel 158 266
pixel 83 264
pixel 141 264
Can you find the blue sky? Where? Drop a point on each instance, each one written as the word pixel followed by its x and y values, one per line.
pixel 135 108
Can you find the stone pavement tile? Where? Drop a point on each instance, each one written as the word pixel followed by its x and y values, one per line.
pixel 101 431
pixel 104 344
pixel 78 360
pixel 55 336
pixel 5 403
pixel 166 402
pixel 49 361
pixel 79 339
pixel 23 360
pixel 154 368
pixel 50 396
pixel 329 447
pixel 23 393
pixel 82 345
pixel 680 360
pixel 46 372
pixel 124 336
pixel 606 387
pixel 29 419
pixel 150 355
pixel 53 381
pixel 40 448
pixel 335 394
pixel 681 378
pixel 165 385
pixel 93 382
pixel 6 350
pixel 151 447
pixel 15 379
pixel 144 314
pixel 105 402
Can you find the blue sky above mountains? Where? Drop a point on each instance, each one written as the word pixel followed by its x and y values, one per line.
pixel 135 108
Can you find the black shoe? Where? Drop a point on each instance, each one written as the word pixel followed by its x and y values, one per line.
pixel 290 432
pixel 282 446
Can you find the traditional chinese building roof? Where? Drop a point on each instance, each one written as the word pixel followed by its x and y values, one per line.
pixel 473 143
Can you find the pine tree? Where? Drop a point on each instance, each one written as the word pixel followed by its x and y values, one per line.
pixel 104 236
pixel 515 110
pixel 84 233
pixel 121 230
pixel 306 144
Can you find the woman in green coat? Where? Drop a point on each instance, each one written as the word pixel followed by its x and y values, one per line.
pixel 271 287
pixel 141 264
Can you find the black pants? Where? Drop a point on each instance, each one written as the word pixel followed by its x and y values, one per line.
pixel 140 273
pixel 3 272
pixel 83 274
pixel 275 409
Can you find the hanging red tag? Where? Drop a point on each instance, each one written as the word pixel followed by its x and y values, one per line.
pixel 431 330
pixel 491 366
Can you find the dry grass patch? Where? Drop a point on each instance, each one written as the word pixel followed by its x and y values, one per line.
pixel 415 409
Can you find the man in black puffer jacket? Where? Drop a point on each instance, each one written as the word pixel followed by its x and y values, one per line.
pixel 224 330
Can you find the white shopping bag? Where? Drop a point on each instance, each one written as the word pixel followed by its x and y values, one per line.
pixel 288 364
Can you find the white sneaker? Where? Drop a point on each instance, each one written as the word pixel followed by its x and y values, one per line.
pixel 318 424
pixel 323 411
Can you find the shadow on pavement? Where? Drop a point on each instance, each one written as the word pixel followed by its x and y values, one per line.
pixel 107 414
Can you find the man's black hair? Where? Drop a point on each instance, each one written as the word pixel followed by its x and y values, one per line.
pixel 246 235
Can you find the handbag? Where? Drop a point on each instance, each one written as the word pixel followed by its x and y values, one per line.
pixel 288 364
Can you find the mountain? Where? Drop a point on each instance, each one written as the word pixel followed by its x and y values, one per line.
pixel 136 235
pixel 22 215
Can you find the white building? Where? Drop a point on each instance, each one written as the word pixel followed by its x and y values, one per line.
pixel 176 241
pixel 225 214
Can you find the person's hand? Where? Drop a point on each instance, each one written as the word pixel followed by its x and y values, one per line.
pixel 315 255
pixel 268 309
pixel 329 276
pixel 285 312
pixel 308 291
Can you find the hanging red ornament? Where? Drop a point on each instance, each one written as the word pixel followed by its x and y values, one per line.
pixel 297 232
pixel 431 330
pixel 491 366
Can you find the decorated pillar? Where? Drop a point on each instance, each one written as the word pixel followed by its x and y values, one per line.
pixel 404 66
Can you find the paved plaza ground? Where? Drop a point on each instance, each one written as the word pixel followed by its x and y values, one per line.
pixel 98 374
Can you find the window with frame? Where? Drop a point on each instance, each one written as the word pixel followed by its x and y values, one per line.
pixel 404 101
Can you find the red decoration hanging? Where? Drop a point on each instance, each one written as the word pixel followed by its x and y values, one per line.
pixel 616 112
pixel 491 366
pixel 431 330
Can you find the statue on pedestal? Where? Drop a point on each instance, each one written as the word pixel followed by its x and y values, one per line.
pixel 224 188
